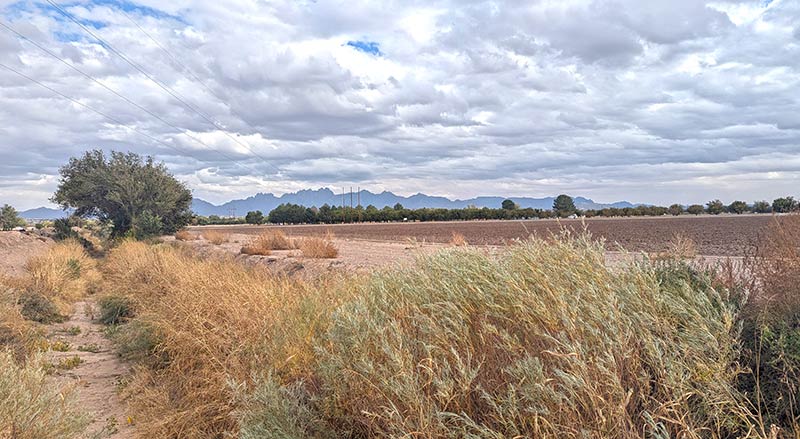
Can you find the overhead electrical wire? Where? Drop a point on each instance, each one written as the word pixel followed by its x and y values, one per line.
pixel 89 107
pixel 119 95
pixel 160 84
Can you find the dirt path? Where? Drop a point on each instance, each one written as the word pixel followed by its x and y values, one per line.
pixel 97 375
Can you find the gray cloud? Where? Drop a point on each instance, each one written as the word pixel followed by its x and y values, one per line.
pixel 648 101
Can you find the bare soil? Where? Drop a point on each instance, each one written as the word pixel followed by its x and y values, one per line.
pixel 723 235
pixel 98 376
pixel 16 248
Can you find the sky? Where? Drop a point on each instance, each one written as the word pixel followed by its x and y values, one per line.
pixel 646 101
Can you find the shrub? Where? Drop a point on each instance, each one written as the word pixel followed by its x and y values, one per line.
pixel 270 240
pixel 31 407
pixel 216 238
pixel 115 309
pixel 39 308
pixel 458 240
pixel 62 275
pixel 185 235
pixel 201 326
pixel 771 327
pixel 316 247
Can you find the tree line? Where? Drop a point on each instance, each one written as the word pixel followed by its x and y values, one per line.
pixel 563 207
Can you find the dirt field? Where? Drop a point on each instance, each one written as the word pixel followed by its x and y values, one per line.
pixel 725 235
pixel 16 248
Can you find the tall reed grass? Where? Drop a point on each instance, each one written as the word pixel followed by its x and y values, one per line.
pixel 545 341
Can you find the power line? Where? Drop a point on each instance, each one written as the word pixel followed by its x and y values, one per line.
pixel 119 95
pixel 161 85
pixel 89 107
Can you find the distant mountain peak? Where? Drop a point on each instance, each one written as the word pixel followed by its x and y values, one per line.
pixel 265 202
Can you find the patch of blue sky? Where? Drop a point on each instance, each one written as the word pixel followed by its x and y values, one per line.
pixel 370 47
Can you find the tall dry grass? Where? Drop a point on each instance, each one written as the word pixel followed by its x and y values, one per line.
pixel 32 407
pixel 546 341
pixel 185 235
pixel 319 247
pixel 216 238
pixel 268 241
pixel 214 322
pixel 771 327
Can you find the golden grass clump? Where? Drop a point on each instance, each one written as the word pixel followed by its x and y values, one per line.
pixel 63 274
pixel 680 247
pixel 31 407
pixel 458 240
pixel 215 237
pixel 185 235
pixel 544 341
pixel 264 243
pixel 218 323
pixel 319 247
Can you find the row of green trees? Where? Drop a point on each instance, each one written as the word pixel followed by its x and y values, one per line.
pixel 563 206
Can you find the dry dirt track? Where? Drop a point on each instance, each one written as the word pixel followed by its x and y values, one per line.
pixel 724 235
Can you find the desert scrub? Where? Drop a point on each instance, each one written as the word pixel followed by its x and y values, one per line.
pixel 185 235
pixel 545 341
pixel 203 326
pixel 216 238
pixel 115 309
pixel 264 243
pixel 61 275
pixel 31 407
pixel 317 247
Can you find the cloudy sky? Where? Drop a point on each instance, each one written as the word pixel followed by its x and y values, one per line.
pixel 648 101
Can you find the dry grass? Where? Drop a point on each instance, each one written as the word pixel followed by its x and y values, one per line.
pixel 458 240
pixel 680 248
pixel 316 247
pixel 546 341
pixel 268 241
pixel 185 235
pixel 218 322
pixel 63 274
pixel 216 238
pixel 31 407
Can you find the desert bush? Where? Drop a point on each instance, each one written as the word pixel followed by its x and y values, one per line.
pixel 213 322
pixel 545 342
pixel 316 247
pixel 62 275
pixel 115 309
pixel 16 334
pixel 185 235
pixel 31 407
pixel 270 240
pixel 37 307
pixel 458 240
pixel 215 237
pixel 771 327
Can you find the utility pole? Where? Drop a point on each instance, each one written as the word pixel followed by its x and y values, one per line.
pixel 359 204
pixel 344 217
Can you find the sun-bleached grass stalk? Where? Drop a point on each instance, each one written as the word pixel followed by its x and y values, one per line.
pixel 64 273
pixel 319 247
pixel 216 238
pixel 216 322
pixel 543 341
pixel 32 407
pixel 458 240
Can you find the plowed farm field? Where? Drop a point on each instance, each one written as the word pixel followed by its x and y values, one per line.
pixel 724 235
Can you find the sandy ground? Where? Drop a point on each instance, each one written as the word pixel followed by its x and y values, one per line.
pixel 98 376
pixel 354 254
pixel 360 255
pixel 16 248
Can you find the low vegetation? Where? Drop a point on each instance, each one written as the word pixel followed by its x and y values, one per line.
pixel 268 241
pixel 546 341
pixel 185 235
pixel 216 238
pixel 318 247
pixel 31 406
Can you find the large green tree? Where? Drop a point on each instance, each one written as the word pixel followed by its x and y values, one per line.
pixel 135 194
pixel 563 205
pixel 9 218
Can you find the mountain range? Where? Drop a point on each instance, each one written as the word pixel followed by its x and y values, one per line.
pixel 317 197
